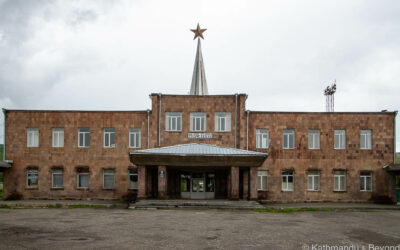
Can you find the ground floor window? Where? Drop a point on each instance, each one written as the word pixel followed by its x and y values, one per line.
pixel 57 178
pixel 339 179
pixel 210 182
pixel 262 180
pixel 83 180
pixel 313 181
pixel 32 177
pixel 133 179
pixel 108 178
pixel 287 180
pixel 366 181
pixel 185 183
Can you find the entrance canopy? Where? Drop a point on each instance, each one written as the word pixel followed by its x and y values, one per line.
pixel 197 154
pixel 4 165
pixel 392 168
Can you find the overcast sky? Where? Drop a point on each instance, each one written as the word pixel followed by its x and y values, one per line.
pixel 111 55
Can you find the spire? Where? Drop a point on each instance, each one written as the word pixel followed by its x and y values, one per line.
pixel 199 83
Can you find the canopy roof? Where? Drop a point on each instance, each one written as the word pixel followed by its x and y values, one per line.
pixel 4 165
pixel 392 168
pixel 197 154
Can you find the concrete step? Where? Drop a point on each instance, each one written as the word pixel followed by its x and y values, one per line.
pixel 195 204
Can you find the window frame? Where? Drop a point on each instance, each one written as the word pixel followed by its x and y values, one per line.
pixel 169 117
pixel 364 175
pixel 314 174
pixel 136 132
pixel 338 177
pixel 32 171
pixel 34 132
pixel 286 176
pixel 288 133
pixel 367 135
pixel 260 133
pixel 133 172
pixel 203 120
pixel 84 136
pixel 260 175
pixel 77 180
pixel 109 134
pixel 57 171
pixel 57 131
pixel 343 140
pixel 313 132
pixel 227 117
pixel 108 172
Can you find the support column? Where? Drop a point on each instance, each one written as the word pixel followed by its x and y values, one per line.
pixel 253 184
pixel 142 186
pixel 162 182
pixel 245 184
pixel 234 183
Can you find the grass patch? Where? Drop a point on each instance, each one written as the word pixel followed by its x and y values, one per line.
pixel 4 206
pixel 1 192
pixel 298 210
pixel 84 206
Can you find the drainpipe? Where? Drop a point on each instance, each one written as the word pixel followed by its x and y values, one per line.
pixel 148 128
pixel 159 120
pixel 4 144
pixel 236 112
pixel 247 129
pixel 394 139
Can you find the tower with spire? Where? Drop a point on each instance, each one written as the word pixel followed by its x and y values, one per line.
pixel 199 82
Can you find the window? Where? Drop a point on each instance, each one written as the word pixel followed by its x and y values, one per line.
pixel 197 121
pixel 83 137
pixel 365 139
pixel 340 139
pixel 83 180
pixel 222 122
pixel 287 180
pixel 57 178
pixel 173 121
pixel 288 139
pixel 33 137
pixel 134 138
pixel 58 137
pixel 366 181
pixel 133 179
pixel 109 137
pixel 339 179
pixel 313 181
pixel 313 139
pixel 108 178
pixel 32 177
pixel 262 138
pixel 262 180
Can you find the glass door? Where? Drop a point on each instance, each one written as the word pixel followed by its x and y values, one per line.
pixel 197 191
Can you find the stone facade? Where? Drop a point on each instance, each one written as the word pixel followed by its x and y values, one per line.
pixel 300 159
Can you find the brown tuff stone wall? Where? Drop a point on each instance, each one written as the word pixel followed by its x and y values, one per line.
pixel 326 159
pixel 96 157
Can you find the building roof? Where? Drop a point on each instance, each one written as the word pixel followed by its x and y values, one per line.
pixel 198 149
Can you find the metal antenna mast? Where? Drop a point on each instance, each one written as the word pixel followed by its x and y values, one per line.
pixel 329 93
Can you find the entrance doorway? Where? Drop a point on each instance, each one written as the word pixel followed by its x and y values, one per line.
pixel 198 185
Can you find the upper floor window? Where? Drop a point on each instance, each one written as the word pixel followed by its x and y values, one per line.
pixel 339 180
pixel 32 177
pixel 173 121
pixel 33 137
pixel 313 139
pixel 262 180
pixel 197 121
pixel 108 178
pixel 83 137
pixel 288 139
pixel 58 137
pixel 366 181
pixel 134 137
pixel 287 180
pixel 222 122
pixel 262 138
pixel 340 139
pixel 57 178
pixel 365 139
pixel 109 137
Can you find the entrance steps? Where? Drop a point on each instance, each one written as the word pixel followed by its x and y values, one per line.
pixel 195 204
